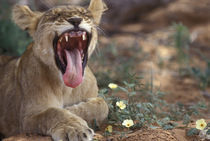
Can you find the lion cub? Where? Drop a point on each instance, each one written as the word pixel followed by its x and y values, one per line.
pixel 50 90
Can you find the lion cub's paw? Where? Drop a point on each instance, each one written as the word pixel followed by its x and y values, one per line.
pixel 73 133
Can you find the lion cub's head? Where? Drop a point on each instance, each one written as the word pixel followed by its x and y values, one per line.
pixel 64 36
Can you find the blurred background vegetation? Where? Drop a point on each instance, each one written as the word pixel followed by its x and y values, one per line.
pixel 13 40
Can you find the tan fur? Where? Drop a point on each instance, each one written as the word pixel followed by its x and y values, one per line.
pixel 25 18
pixel 33 97
pixel 97 7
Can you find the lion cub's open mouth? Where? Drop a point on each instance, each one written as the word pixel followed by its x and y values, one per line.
pixel 71 55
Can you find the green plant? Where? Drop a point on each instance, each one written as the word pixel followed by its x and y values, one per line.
pixel 192 132
pixel 123 59
pixel 144 105
pixel 13 39
pixel 181 38
pixel 203 132
pixel 203 76
pixel 179 111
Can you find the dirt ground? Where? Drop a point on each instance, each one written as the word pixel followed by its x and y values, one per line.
pixel 153 37
pixel 167 78
pixel 141 135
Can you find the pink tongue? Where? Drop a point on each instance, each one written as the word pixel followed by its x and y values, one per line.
pixel 73 75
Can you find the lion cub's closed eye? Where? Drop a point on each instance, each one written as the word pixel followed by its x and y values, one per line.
pixel 50 90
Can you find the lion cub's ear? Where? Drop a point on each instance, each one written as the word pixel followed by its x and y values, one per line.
pixel 25 18
pixel 97 7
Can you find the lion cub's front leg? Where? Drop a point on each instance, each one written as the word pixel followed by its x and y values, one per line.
pixel 60 124
pixel 92 109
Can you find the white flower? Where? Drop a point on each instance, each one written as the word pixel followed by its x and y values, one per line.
pixel 200 124
pixel 109 129
pixel 112 86
pixel 121 105
pixel 128 123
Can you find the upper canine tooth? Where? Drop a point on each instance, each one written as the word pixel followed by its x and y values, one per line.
pixel 67 38
pixel 83 36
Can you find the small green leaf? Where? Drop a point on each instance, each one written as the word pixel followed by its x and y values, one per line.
pixel 123 89
pixel 186 119
pixel 103 91
pixel 208 125
pixel 168 126
pixel 139 105
pixel 208 132
pixel 140 115
pixel 192 132
pixel 153 127
pixel 132 93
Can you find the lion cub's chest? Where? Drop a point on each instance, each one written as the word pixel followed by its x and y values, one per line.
pixel 87 89
pixel 74 96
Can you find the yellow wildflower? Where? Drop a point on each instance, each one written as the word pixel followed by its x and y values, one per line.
pixel 200 124
pixel 121 105
pixel 109 129
pixel 128 123
pixel 112 86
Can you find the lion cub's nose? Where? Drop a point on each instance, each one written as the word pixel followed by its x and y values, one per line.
pixel 75 21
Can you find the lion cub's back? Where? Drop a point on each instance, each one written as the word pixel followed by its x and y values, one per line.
pixel 7 75
pixel 7 67
pixel 5 59
pixel 8 101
